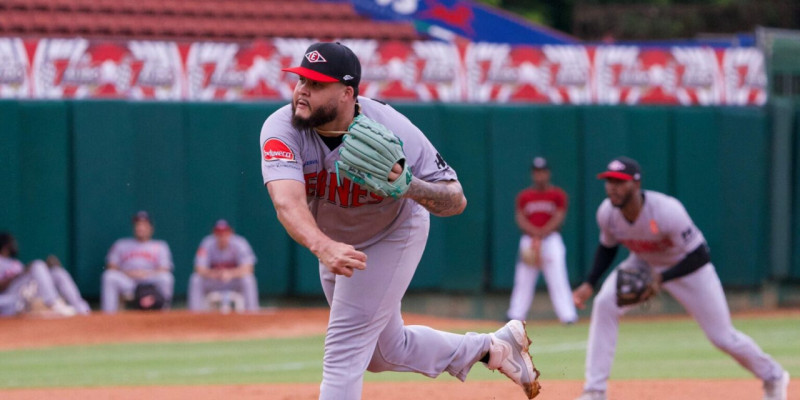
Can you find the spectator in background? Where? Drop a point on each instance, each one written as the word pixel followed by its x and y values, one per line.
pixel 224 262
pixel 21 286
pixel 540 212
pixel 134 261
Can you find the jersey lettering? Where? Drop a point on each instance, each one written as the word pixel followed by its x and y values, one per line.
pixel 224 265
pixel 140 254
pixel 546 207
pixel 648 246
pixel 323 185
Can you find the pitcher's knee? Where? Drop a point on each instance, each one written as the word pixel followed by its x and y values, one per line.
pixel 389 353
pixel 724 340
pixel 378 363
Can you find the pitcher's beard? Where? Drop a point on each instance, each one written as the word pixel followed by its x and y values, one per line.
pixel 321 116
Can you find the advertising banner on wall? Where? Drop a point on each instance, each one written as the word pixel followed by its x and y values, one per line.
pixel 424 71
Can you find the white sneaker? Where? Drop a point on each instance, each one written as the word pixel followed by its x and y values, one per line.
pixel 508 353
pixel 777 389
pixel 62 309
pixel 592 395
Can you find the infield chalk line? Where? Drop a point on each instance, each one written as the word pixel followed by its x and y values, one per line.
pixel 296 366
pixel 204 371
pixel 559 348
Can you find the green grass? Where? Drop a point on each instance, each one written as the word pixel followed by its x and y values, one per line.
pixel 647 349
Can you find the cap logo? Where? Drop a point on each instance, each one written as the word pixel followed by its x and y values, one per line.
pixel 315 57
pixel 347 78
pixel 616 165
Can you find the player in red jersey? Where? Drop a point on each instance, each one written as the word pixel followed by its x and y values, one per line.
pixel 540 211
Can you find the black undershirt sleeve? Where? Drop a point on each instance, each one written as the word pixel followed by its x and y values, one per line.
pixel 603 258
pixel 692 262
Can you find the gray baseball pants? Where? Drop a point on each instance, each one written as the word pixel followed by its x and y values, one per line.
pixel 12 300
pixel 68 289
pixel 366 331
pixel 702 296
pixel 116 283
pixel 199 287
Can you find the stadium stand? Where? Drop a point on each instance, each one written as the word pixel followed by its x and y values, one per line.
pixel 194 20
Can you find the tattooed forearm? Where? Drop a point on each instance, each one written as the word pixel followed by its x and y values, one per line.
pixel 440 198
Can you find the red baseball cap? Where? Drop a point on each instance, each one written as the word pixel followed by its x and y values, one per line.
pixel 329 62
pixel 222 226
pixel 141 216
pixel 624 168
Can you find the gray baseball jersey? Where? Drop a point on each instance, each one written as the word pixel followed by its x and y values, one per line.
pixel 10 268
pixel 349 214
pixel 365 308
pixel 662 235
pixel 238 252
pixel 130 254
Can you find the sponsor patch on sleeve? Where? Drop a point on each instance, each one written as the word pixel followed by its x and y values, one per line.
pixel 275 149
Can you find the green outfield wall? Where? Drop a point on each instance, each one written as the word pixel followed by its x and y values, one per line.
pixel 75 171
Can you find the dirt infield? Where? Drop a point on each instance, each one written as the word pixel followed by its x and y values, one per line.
pixel 18 333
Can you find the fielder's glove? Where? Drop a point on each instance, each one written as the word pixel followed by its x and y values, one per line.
pixel 532 255
pixel 367 155
pixel 635 285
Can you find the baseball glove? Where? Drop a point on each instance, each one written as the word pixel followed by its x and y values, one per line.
pixel 635 285
pixel 367 155
pixel 147 297
pixel 532 255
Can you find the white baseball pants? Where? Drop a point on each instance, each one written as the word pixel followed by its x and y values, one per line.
pixel 554 268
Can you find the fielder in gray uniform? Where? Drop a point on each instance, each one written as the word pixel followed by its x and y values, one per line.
pixel 224 261
pixel 660 235
pixel 135 260
pixel 19 285
pixel 369 246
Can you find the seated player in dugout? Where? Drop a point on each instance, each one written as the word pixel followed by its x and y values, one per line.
pixel 665 243
pixel 338 168
pixel 22 288
pixel 137 260
pixel 223 262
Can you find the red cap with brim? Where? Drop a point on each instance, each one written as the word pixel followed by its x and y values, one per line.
pixel 310 74
pixel 222 226
pixel 615 175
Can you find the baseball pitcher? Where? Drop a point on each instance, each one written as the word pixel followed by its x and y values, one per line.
pixel 354 181
pixel 663 241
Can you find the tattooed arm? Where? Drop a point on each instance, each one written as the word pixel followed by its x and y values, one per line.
pixel 442 199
